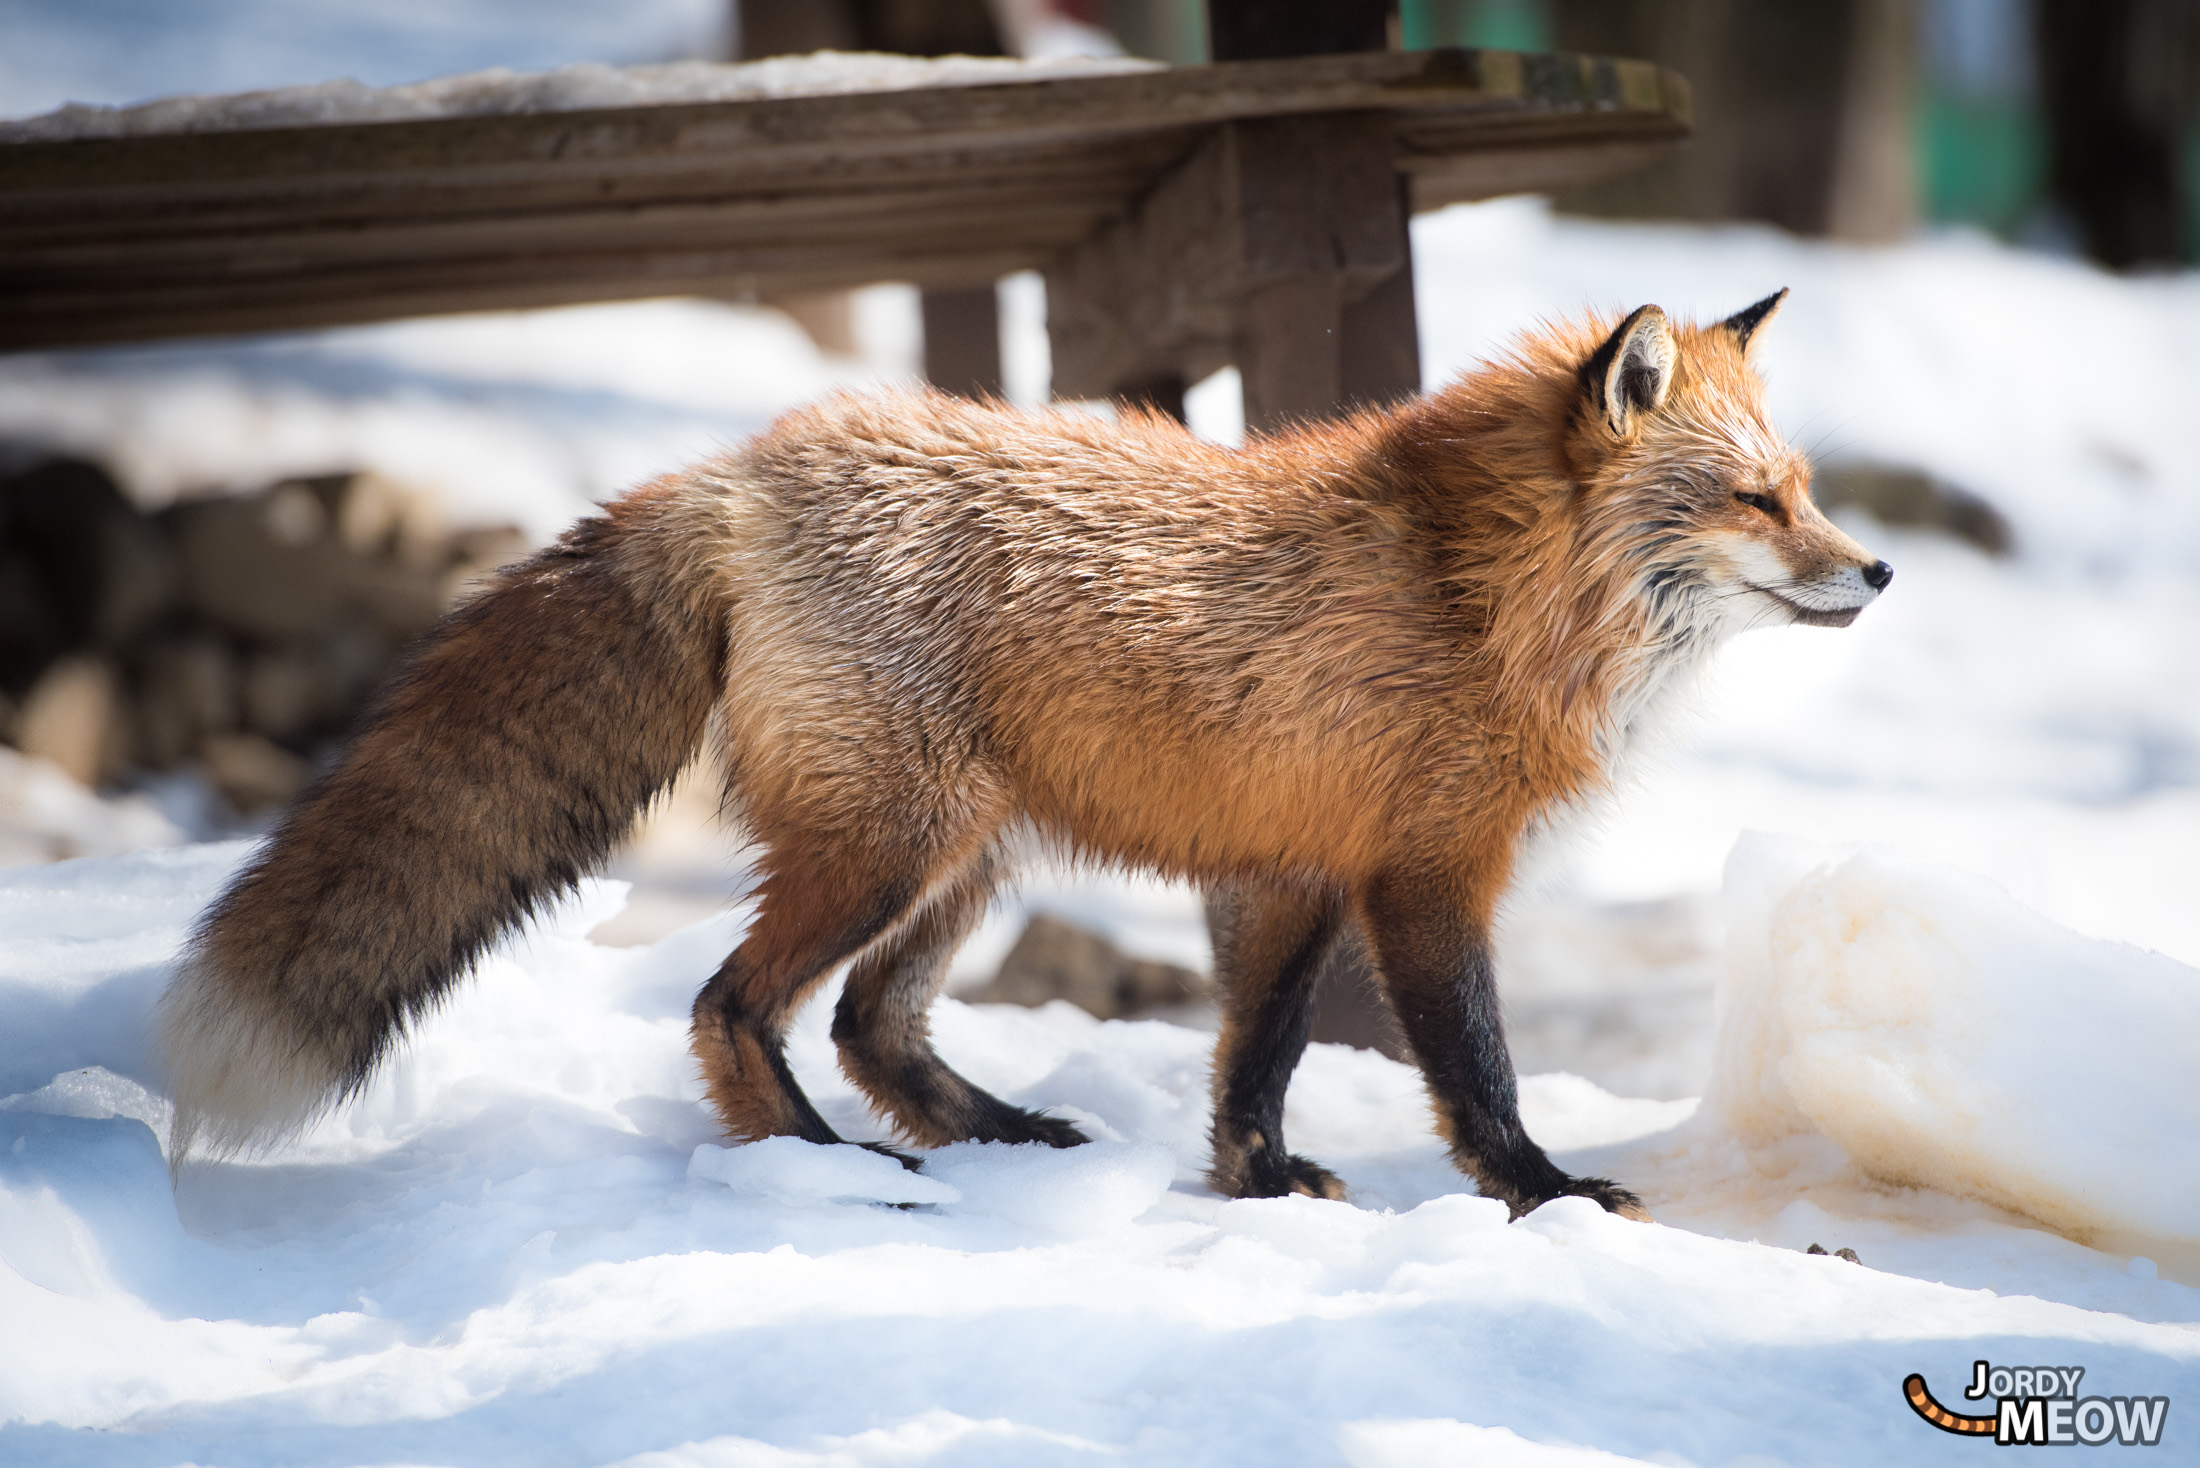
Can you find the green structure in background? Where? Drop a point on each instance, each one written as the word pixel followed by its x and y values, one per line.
pixel 1982 161
pixel 1981 145
pixel 1504 25
pixel 1981 133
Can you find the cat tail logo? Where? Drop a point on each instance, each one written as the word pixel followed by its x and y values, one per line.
pixel 1921 1402
pixel 2039 1406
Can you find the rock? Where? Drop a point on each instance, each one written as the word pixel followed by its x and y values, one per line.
pixel 1058 960
pixel 31 630
pixel 261 567
pixel 286 693
pixel 80 569
pixel 385 518
pixel 73 717
pixel 1910 497
pixel 283 567
pixel 277 616
pixel 188 690
pixel 253 773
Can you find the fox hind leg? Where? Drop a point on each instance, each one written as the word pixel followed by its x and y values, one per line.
pixel 815 912
pixel 883 1030
pixel 1273 948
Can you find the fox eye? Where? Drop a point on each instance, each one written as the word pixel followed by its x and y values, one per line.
pixel 1763 502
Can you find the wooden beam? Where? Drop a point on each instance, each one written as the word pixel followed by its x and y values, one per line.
pixel 1329 266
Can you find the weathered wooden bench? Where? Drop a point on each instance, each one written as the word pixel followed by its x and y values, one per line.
pixel 1186 217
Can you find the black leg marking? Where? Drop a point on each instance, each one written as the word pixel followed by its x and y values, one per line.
pixel 1437 968
pixel 1272 949
pixel 883 1028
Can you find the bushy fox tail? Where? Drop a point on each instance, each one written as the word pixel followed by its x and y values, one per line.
pixel 515 751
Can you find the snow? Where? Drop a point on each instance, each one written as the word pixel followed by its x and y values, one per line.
pixel 46 816
pixel 1944 1036
pixel 504 417
pixel 123 51
pixel 581 86
pixel 526 1243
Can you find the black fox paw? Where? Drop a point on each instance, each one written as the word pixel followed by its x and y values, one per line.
pixel 1015 1125
pixel 913 1164
pixel 1053 1131
pixel 1608 1195
pixel 1279 1175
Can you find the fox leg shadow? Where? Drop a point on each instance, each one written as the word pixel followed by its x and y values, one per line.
pixel 883 1029
pixel 1435 964
pixel 1272 948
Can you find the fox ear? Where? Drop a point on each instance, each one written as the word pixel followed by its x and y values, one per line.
pixel 1744 323
pixel 1630 373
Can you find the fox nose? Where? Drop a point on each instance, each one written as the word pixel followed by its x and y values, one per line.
pixel 1877 575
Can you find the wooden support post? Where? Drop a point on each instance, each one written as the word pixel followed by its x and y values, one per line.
pixel 962 341
pixel 1164 394
pixel 1328 266
pixel 1279 245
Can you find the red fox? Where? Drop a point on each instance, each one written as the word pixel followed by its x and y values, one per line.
pixel 1339 679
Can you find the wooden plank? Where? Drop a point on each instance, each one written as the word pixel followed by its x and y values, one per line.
pixel 339 303
pixel 314 203
pixel 620 273
pixel 1035 213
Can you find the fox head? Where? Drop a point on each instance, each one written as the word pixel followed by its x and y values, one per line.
pixel 1687 478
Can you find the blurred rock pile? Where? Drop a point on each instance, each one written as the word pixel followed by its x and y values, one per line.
pixel 1914 499
pixel 240 634
pixel 1059 960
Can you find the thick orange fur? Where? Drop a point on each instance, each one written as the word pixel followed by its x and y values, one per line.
pixel 1346 674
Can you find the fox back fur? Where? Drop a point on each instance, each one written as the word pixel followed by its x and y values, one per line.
pixel 1339 678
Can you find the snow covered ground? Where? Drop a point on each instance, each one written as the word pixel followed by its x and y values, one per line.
pixel 525 1246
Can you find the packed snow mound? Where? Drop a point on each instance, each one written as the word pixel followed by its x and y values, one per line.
pixel 1948 1037
pixel 583 87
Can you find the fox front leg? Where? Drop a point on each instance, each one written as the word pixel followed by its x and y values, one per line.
pixel 1435 963
pixel 1273 947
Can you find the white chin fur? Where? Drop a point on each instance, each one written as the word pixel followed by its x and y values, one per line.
pixel 242 1081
